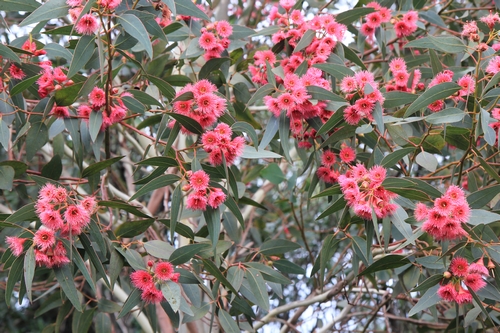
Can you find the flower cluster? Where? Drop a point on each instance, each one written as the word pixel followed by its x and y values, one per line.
pixel 363 93
pixel 466 82
pixel 52 78
pixel 147 280
pixel 461 272
pixel 375 19
pixel 97 99
pixel 490 20
pixel 470 31
pixel 407 24
pixel 364 192
pixel 59 214
pixel 202 194
pixel 401 75
pixel 493 66
pixel 218 143
pixel 495 113
pixel 326 171
pixel 88 23
pixel 214 39
pixel 444 220
pixel 205 106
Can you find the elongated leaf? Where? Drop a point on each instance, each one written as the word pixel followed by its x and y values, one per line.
pixel 449 115
pixel 278 246
pixel 29 271
pixel 186 253
pixel 247 128
pixel 154 184
pixel 210 66
pixel 387 262
pixel 427 160
pixel 175 209
pixel 123 205
pixel 212 269
pixel 337 71
pixel 251 153
pixel 133 228
pixel 428 283
pixel 165 88
pixel 25 213
pixel 7 174
pixel 49 10
pixel 258 287
pixel 352 15
pixel 65 278
pixel 189 123
pixel 97 167
pixel 394 157
pixel 159 249
pixel 133 299
pixel 15 275
pixel 23 85
pixel 448 44
pixel 432 94
pixel 261 92
pixel 482 197
pixel 82 54
pixel 172 292
pixel 305 40
pixel 339 204
pixel 288 267
pixel 398 98
pixel 324 95
pixel 94 259
pixel 188 8
pixel 136 29
pixel 429 299
pixel 489 133
pixel 19 5
pixel 359 246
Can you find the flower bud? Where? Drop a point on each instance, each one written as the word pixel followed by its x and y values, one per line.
pixel 447 275
pixel 150 263
pixel 491 264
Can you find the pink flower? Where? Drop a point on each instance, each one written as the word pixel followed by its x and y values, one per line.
pixel 493 65
pixel 374 20
pixel 164 270
pixel 16 72
pixel 44 238
pixel 377 174
pixel 287 4
pixel 386 14
pixel 15 244
pixel 461 212
pixel 52 219
pixel 459 266
pixel 468 85
pixel 463 296
pixel 469 28
pixel 84 111
pixel 47 192
pixel 455 193
pixel 199 180
pixel 364 106
pixel 328 158
pixel 224 29
pixel 443 205
pixel 401 78
pixel 87 25
pixel 207 41
pixel 152 295
pixel 196 202
pixel 411 17
pixel 110 4
pixel 367 30
pixel 421 212
pixel 403 29
pixel 436 105
pixel 97 97
pixel 142 280
pixel 348 84
pixel 364 77
pixel 59 75
pixel 74 3
pixel 261 57
pixel 216 198
pixel 60 111
pixel 397 64
pixel 490 20
pixel 76 216
pixel 474 281
pixel 347 154
pixel 286 101
pixel 89 203
pixel 478 267
pixel 117 114
pixel 448 292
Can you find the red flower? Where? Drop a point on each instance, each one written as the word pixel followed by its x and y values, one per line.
pixel 164 270
pixel 459 266
pixel 142 280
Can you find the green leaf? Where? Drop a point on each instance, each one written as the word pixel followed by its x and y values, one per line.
pixel 37 137
pixel 159 249
pixel 6 177
pixel 55 50
pixel 269 274
pixel 133 25
pixel 488 168
pixel 324 95
pixel 94 259
pixel 482 197
pixel 258 287
pixel 81 321
pixel 429 299
pixel 339 204
pixel 50 10
pixel 212 269
pixel 133 299
pixel 186 253
pixel 188 8
pixel 212 218
pixel 390 160
pixel 489 133
pixel 78 260
pixel 68 95
pixel 25 213
pixel 4 134
pixel 175 209
pixel 447 44
pixel 29 271
pixel 349 16
pixel 428 283
pixel 332 122
pixel 123 205
pixel 144 98
pixel 210 66
pixel 432 94
pixel 102 323
pixel 305 40
pixel 278 246
pixel 387 262
pixel 133 228
pixel 172 292
pixel 337 71
pixel 288 267
pixel 265 90
pixel 99 166
pixel 15 275
pixel 23 85
pixel 359 246
pixel 449 115
pixel 165 88
pixel 162 181
pixel 240 31
pixel 19 5
pixel 227 322
pixel 397 98
pixel 251 153
pixel 95 123
pixel 65 278
pixel 241 126
pixel 273 173
pixel 82 54
pixel 189 123
pixel 427 160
